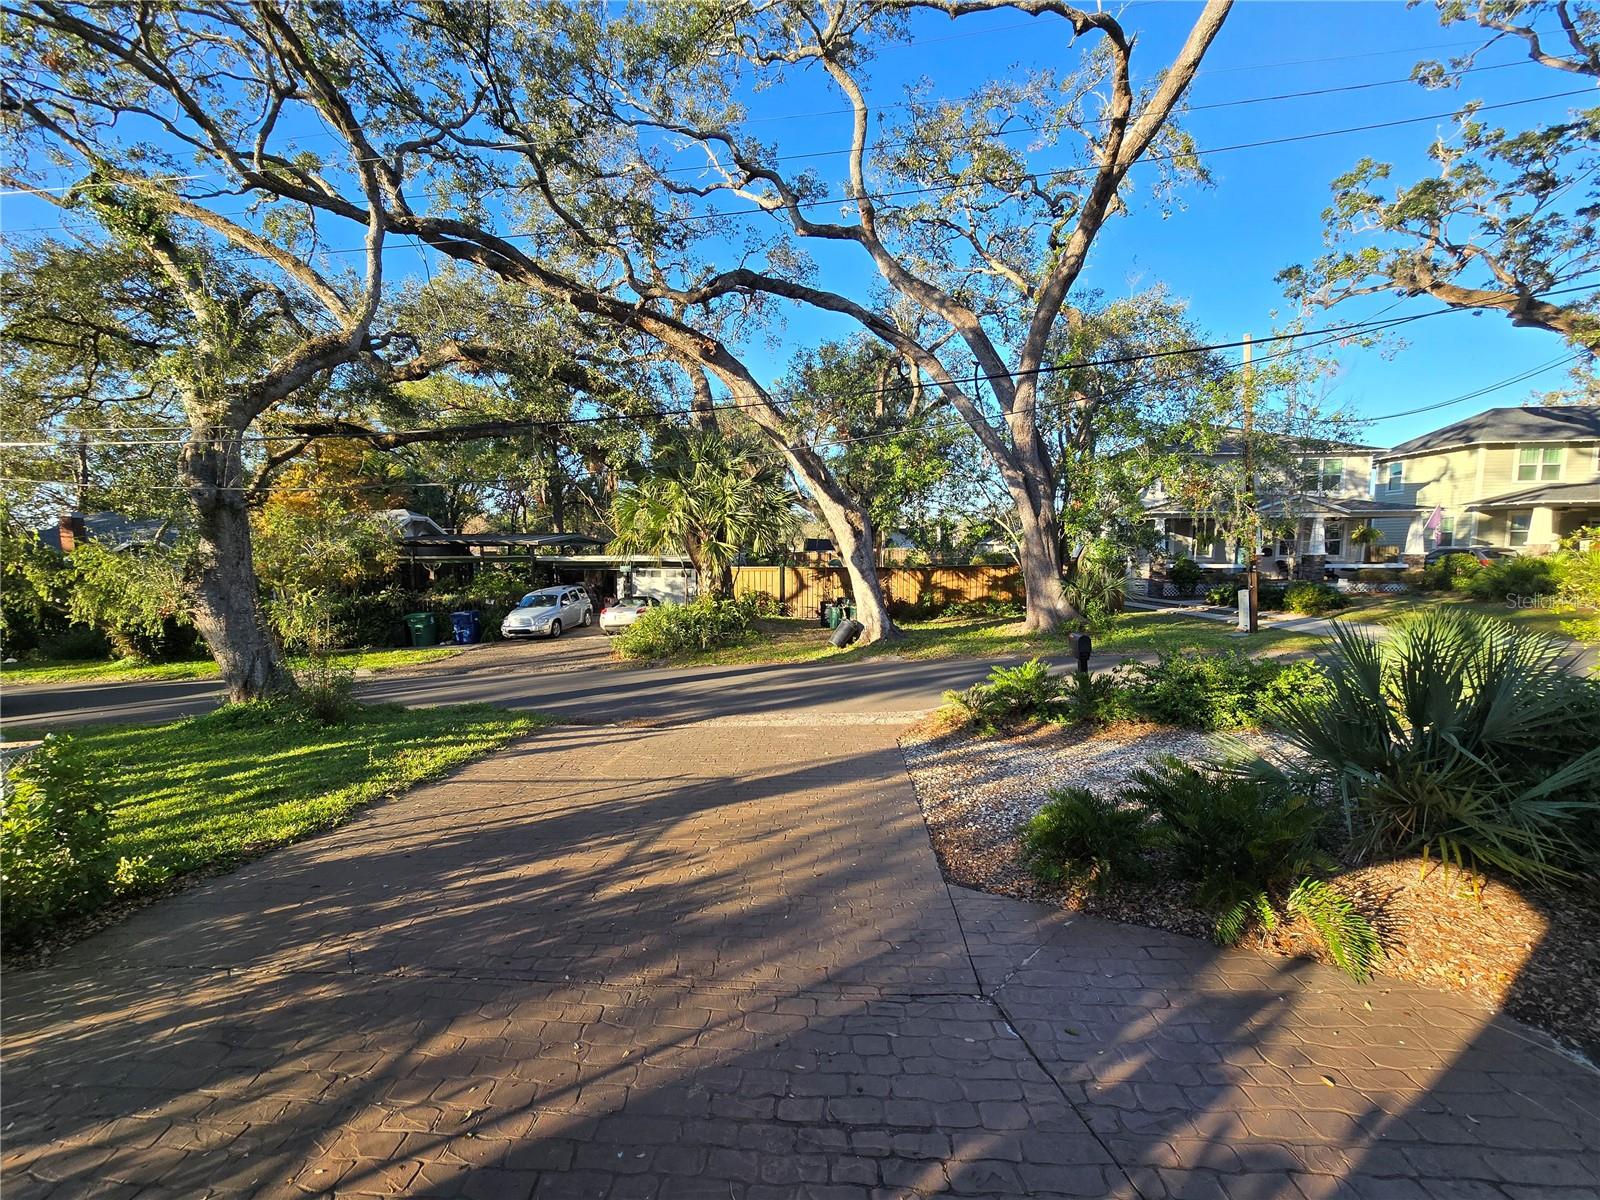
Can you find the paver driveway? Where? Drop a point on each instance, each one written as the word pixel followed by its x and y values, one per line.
pixel 717 959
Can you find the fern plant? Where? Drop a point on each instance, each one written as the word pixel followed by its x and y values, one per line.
pixel 1011 695
pixel 1079 836
pixel 1348 937
pixel 1246 836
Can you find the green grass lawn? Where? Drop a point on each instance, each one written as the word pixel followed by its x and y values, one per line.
pixel 129 670
pixel 1393 610
pixel 218 788
pixel 790 640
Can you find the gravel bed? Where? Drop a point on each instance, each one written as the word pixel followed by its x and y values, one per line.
pixel 1535 955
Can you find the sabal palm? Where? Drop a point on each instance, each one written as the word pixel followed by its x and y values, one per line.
pixel 712 495
pixel 1462 735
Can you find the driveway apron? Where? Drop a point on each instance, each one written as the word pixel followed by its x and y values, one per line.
pixel 718 959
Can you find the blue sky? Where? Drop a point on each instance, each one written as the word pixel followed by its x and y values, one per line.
pixel 1261 214
pixel 1223 248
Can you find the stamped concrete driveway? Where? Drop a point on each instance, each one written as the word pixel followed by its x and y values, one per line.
pixel 717 959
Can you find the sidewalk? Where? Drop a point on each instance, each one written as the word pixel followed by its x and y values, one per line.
pixel 718 959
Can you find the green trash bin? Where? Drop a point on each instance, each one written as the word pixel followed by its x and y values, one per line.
pixel 421 626
pixel 833 614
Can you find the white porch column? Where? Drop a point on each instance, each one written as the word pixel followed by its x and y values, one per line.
pixel 1317 543
pixel 1542 529
pixel 1414 535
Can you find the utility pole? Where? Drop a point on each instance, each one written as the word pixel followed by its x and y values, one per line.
pixel 1252 517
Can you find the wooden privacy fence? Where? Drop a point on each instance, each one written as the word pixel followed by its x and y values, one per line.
pixel 801 590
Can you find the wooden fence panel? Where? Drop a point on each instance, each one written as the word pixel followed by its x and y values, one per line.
pixel 802 589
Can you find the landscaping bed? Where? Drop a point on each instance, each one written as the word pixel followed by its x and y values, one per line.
pixel 1535 953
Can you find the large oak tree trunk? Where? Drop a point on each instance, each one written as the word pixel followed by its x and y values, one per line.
pixel 1032 489
pixel 852 534
pixel 223 591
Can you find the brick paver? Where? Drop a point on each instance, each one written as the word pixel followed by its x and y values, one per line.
pixel 718 960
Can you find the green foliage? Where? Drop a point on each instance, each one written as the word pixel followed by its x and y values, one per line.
pixel 1452 573
pixel 54 857
pixel 1232 833
pixel 226 785
pixel 1225 594
pixel 1348 936
pixel 983 608
pixel 1010 696
pixel 1227 690
pixel 1460 736
pixel 1084 838
pixel 1513 578
pixel 1247 839
pixel 1578 577
pixel 1185 575
pixel 1313 599
pixel 702 625
pixel 1098 587
pixel 711 496
pixel 134 596
pixel 30 603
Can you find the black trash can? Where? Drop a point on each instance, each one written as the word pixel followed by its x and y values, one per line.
pixel 849 630
pixel 468 627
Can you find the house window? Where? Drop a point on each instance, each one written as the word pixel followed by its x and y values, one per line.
pixel 1333 539
pixel 1538 462
pixel 1520 523
pixel 1447 532
pixel 1396 476
pixel 1321 474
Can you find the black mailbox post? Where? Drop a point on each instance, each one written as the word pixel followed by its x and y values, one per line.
pixel 1085 649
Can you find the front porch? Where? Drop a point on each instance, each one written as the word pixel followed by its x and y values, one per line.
pixel 1537 520
pixel 1303 537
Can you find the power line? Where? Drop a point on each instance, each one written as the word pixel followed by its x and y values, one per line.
pixel 1353 329
pixel 934 189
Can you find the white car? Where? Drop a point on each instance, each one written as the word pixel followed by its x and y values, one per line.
pixel 624 611
pixel 547 612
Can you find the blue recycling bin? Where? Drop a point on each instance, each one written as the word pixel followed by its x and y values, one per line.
pixel 468 627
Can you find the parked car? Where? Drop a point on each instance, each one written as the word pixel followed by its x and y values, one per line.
pixel 1484 554
pixel 547 612
pixel 624 611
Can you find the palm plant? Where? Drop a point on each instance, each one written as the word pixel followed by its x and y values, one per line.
pixel 711 495
pixel 1460 736
pixel 1368 536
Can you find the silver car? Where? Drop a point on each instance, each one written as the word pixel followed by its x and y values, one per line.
pixel 547 612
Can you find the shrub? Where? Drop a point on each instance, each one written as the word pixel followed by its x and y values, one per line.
pixel 1513 577
pixel 684 628
pixel 1271 596
pixel 1098 588
pixel 1011 695
pixel 327 691
pixel 1246 838
pixel 1451 573
pixel 1081 837
pixel 1226 594
pixel 1313 599
pixel 1185 575
pixel 1460 736
pixel 1578 577
pixel 54 858
pixel 983 608
pixel 134 597
pixel 1207 691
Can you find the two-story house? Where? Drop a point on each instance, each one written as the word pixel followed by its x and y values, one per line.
pixel 1307 520
pixel 1518 478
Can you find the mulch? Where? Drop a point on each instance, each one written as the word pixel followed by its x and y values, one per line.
pixel 1534 954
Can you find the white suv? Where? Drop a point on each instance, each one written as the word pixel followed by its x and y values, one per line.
pixel 547 612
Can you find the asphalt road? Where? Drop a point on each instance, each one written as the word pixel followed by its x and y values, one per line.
pixel 571 679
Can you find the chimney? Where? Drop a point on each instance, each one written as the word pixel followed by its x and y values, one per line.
pixel 72 531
